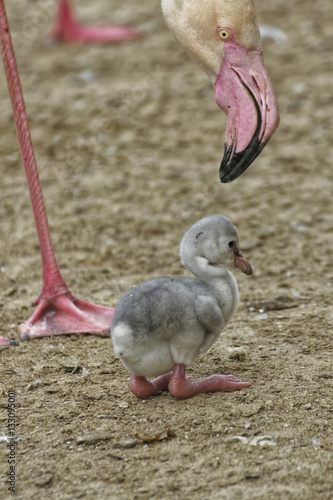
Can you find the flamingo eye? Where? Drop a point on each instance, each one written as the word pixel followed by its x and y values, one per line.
pixel 223 34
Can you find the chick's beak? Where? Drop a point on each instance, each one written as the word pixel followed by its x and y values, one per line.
pixel 242 263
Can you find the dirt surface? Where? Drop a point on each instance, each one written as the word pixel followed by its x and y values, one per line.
pixel 128 140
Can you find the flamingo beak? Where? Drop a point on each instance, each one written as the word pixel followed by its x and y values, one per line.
pixel 245 93
pixel 242 263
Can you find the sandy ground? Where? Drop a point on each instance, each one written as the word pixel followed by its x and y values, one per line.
pixel 128 140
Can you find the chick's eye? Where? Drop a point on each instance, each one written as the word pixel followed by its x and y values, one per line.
pixel 232 244
pixel 223 34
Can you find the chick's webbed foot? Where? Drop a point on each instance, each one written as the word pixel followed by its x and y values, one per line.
pixel 143 388
pixel 183 387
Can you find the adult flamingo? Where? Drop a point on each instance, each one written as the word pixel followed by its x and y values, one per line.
pixel 211 31
pixel 223 37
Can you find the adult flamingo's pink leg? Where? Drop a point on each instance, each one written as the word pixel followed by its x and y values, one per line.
pixel 58 311
pixel 68 29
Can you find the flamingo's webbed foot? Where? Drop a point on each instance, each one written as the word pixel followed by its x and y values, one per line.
pixel 75 32
pixel 181 386
pixel 4 342
pixel 143 388
pixel 66 314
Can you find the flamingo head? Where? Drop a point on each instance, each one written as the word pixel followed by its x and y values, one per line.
pixel 223 37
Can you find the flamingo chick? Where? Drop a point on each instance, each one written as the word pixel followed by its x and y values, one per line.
pixel 162 325
pixel 223 37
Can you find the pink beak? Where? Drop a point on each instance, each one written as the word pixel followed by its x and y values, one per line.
pixel 245 93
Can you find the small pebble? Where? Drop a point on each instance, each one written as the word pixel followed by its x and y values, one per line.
pixel 123 404
pixel 260 317
pixel 87 76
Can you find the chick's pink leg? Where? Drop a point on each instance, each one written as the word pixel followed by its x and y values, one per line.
pixel 183 387
pixel 68 29
pixel 143 388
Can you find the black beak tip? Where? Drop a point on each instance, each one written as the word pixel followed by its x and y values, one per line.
pixel 229 173
pixel 232 168
pixel 233 165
